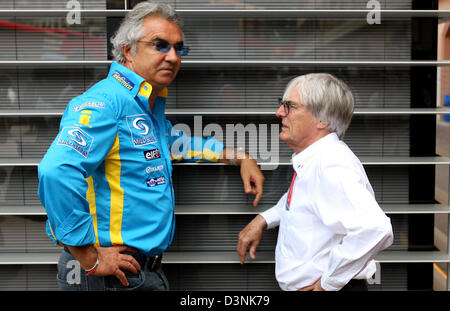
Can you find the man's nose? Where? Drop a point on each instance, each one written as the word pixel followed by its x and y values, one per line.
pixel 172 55
pixel 280 112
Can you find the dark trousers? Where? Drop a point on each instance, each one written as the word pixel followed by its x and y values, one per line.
pixel 71 277
pixel 355 285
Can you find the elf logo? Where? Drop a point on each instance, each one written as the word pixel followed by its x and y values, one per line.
pixel 152 154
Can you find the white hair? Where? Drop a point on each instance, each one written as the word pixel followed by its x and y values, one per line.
pixel 130 30
pixel 329 99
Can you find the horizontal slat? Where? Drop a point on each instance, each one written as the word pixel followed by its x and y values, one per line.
pixel 205 89
pixel 194 186
pixel 201 63
pixel 412 257
pixel 269 111
pixel 240 63
pixel 240 209
pixel 240 13
pixel 30 210
pixel 236 111
pixel 236 209
pixel 415 208
pixel 231 38
pixel 228 258
pixel 188 277
pixel 364 160
pixel 193 233
pixel 29 258
pixel 404 160
pixel 368 160
pixel 268 257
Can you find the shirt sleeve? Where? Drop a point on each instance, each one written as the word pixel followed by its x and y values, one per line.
pixel 347 206
pixel 87 132
pixel 191 148
pixel 272 216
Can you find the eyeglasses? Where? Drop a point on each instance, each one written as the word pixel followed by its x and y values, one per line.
pixel 287 105
pixel 163 46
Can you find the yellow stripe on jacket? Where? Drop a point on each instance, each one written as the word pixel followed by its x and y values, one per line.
pixel 113 168
pixel 90 196
pixel 207 154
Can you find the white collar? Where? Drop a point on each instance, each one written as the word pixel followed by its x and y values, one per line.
pixel 299 160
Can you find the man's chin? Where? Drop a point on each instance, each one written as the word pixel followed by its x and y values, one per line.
pixel 161 83
pixel 283 137
pixel 165 80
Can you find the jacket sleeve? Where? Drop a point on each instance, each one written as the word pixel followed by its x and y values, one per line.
pixel 272 216
pixel 347 206
pixel 192 149
pixel 87 132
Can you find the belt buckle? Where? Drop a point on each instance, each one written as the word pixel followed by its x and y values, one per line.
pixel 155 260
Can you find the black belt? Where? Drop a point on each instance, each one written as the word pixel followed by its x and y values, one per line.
pixel 146 262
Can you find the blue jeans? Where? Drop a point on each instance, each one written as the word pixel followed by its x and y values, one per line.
pixel 71 277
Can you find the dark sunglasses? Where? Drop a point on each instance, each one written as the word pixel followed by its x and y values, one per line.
pixel 286 105
pixel 163 46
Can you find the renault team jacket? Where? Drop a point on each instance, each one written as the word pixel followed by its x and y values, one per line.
pixel 107 177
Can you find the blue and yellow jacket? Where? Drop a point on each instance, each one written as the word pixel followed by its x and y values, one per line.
pixel 107 177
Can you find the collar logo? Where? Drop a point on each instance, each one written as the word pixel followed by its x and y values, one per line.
pixel 123 80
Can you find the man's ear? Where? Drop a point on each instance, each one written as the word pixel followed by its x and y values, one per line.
pixel 127 53
pixel 322 125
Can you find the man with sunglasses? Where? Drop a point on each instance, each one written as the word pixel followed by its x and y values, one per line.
pixel 330 225
pixel 106 180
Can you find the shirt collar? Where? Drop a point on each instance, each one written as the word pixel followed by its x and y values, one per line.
pixel 299 160
pixel 131 81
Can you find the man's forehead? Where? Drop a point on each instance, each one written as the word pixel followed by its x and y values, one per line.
pixel 293 94
pixel 157 36
pixel 155 26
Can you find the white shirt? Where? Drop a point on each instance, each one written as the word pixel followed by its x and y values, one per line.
pixel 334 226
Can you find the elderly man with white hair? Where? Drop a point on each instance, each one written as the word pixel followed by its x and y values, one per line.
pixel 330 225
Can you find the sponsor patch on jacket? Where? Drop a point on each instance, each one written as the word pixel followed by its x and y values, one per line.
pixel 123 80
pixel 85 118
pixel 77 139
pixel 152 182
pixel 141 130
pixel 152 154
pixel 151 169
pixel 89 104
